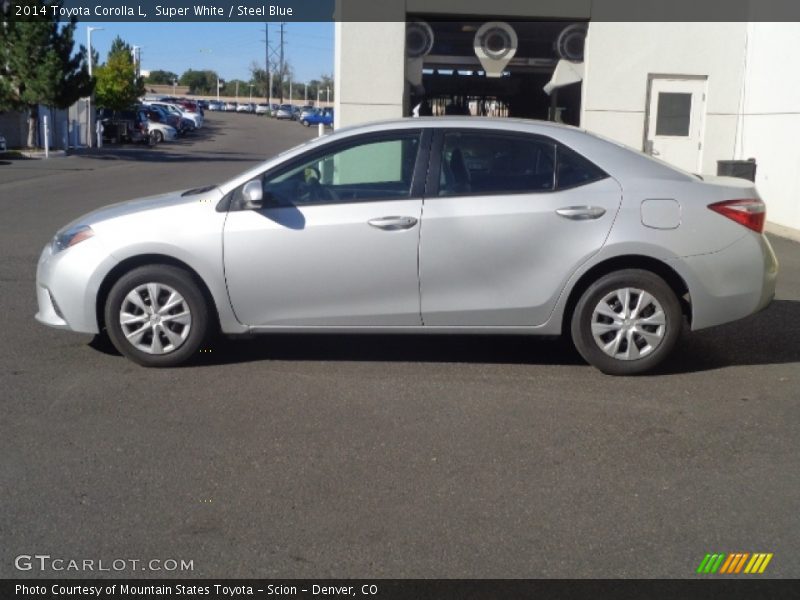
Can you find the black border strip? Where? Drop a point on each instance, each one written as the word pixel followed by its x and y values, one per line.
pixel 177 11
pixel 415 589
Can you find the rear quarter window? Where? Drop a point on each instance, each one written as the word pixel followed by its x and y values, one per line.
pixel 573 170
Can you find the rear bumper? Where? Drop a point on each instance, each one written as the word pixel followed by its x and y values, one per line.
pixel 730 284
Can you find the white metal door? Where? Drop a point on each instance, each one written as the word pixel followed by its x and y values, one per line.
pixel 675 122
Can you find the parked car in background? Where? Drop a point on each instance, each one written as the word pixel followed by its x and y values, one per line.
pixel 230 106
pixel 305 110
pixel 215 106
pixel 285 112
pixel 124 126
pixel 191 106
pixel 321 115
pixel 191 110
pixel 262 109
pixel 161 132
pixel 162 115
pixel 3 144
pixel 569 234
pixel 189 120
pixel 246 107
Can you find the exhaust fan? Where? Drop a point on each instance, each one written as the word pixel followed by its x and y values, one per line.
pixel 495 45
pixel 571 42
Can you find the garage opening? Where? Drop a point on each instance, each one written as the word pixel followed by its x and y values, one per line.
pixel 495 67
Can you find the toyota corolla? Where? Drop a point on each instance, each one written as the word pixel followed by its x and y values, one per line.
pixel 450 225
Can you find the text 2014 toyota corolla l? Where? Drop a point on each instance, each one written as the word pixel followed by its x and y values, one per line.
pixel 451 225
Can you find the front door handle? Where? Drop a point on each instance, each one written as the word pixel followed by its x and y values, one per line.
pixel 392 223
pixel 581 213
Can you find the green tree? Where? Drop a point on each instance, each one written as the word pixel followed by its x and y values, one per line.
pixel 161 77
pixel 38 64
pixel 259 79
pixel 229 89
pixel 200 82
pixel 118 85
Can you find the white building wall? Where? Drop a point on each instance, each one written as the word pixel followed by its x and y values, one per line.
pixel 620 56
pixel 771 117
pixel 369 72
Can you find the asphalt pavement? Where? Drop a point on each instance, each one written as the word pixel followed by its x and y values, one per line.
pixel 377 456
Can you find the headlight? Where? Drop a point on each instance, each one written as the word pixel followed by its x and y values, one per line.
pixel 69 237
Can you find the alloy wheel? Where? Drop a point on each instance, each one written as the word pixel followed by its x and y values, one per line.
pixel 155 318
pixel 628 324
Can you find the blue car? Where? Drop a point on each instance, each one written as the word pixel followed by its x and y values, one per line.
pixel 324 116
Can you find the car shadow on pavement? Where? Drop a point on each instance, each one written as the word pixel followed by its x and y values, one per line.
pixel 489 349
pixel 146 154
pixel 769 337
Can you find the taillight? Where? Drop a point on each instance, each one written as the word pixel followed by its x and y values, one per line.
pixel 751 213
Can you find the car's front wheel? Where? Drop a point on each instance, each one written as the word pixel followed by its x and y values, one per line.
pixel 157 316
pixel 627 322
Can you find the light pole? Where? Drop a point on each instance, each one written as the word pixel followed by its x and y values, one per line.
pixel 305 93
pixel 319 91
pixel 174 86
pixel 136 54
pixel 328 101
pixel 89 116
pixel 251 92
pixel 270 92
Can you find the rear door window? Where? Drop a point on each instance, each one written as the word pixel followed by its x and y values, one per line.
pixel 478 163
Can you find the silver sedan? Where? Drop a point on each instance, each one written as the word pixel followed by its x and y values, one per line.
pixel 453 225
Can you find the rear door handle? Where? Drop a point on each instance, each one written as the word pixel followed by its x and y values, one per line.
pixel 392 223
pixel 581 213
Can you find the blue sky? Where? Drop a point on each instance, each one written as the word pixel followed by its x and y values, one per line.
pixel 228 48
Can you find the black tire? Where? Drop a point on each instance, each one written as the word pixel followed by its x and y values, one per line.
pixel 165 276
pixel 306 123
pixel 652 353
pixel 158 137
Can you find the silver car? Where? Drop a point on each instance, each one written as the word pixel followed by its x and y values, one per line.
pixel 449 225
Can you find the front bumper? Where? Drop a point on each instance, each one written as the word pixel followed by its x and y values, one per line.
pixel 67 284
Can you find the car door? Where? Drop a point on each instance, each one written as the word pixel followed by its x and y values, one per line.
pixel 508 217
pixel 336 242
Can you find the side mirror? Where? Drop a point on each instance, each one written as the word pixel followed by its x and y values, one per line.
pixel 253 195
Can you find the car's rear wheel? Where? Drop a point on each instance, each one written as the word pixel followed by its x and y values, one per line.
pixel 157 316
pixel 158 136
pixel 627 322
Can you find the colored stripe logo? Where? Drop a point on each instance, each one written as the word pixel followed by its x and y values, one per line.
pixel 734 563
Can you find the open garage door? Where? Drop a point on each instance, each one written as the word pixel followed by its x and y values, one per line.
pixel 494 67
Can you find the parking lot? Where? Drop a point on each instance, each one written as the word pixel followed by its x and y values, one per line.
pixel 359 456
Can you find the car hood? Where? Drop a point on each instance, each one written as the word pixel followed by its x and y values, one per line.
pixel 150 203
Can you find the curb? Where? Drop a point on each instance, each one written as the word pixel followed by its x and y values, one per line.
pixel 783 231
pixel 40 153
